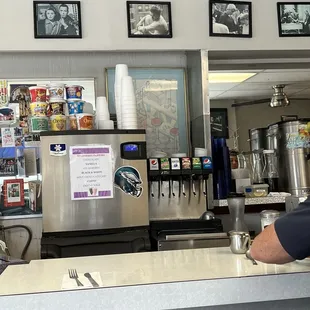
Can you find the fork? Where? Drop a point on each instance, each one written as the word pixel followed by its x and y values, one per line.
pixel 248 256
pixel 74 275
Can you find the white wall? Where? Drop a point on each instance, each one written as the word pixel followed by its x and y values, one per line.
pixel 232 121
pixel 81 65
pixel 105 28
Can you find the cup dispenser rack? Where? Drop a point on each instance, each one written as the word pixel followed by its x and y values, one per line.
pixel 178 177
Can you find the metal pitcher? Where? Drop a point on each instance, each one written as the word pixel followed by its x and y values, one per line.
pixel 239 242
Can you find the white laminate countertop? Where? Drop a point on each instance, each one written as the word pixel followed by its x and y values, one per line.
pixel 141 269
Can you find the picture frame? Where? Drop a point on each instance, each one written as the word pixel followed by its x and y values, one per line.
pixel 293 19
pixel 8 167
pixel 230 19
pixel 13 192
pixel 219 123
pixel 169 107
pixel 149 19
pixel 57 19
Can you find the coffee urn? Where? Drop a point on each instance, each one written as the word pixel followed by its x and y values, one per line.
pixel 294 156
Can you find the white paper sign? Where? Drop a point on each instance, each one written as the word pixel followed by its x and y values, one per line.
pixel 91 172
pixel 8 137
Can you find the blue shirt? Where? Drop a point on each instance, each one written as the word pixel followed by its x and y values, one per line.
pixel 293 231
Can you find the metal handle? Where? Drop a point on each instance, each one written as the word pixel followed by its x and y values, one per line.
pixel 196 236
pixel 240 158
pixel 91 280
pixel 247 241
pixel 248 256
pixel 78 282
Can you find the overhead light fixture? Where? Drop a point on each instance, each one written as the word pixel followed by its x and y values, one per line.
pixel 229 77
pixel 279 98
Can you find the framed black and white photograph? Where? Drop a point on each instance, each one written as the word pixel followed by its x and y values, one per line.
pixel 219 123
pixel 149 19
pixel 294 19
pixel 230 18
pixel 57 19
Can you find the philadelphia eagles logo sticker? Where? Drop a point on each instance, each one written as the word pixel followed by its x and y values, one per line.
pixel 128 180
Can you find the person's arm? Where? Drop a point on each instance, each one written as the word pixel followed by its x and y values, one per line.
pixel 164 23
pixel 141 22
pixel 267 248
pixel 63 23
pixel 152 26
pixel 288 239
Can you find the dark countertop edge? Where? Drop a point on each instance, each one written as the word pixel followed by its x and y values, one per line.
pixel 92 132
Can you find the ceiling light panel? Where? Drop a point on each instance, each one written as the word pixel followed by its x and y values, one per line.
pixel 229 77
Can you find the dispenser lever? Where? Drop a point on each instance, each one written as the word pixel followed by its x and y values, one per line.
pixel 180 185
pixel 162 192
pixel 204 188
pixel 152 190
pixel 172 187
pixel 193 187
pixel 183 188
pixel 159 188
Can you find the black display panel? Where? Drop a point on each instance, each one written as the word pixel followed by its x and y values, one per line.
pixel 133 150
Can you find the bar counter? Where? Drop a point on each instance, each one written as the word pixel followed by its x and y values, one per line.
pixel 186 279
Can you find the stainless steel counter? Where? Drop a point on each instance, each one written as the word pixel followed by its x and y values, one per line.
pixel 252 201
pixel 21 217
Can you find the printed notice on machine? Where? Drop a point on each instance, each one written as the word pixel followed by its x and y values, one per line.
pixel 91 172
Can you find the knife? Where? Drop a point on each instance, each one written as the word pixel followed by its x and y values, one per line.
pixel 91 279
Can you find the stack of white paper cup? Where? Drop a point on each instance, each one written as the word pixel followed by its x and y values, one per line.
pixel 103 114
pixel 103 124
pixel 88 108
pixel 102 109
pixel 128 104
pixel 121 71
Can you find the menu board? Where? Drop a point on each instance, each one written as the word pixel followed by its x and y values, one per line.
pixel 91 172
pixel 219 123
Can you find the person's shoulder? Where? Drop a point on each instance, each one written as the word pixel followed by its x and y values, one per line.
pixel 223 16
pixel 304 206
pixel 220 28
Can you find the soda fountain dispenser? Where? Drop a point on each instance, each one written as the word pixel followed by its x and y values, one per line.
pixel 197 176
pixel 178 187
pixel 186 176
pixel 207 168
pixel 165 180
pixel 176 211
pixel 154 176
